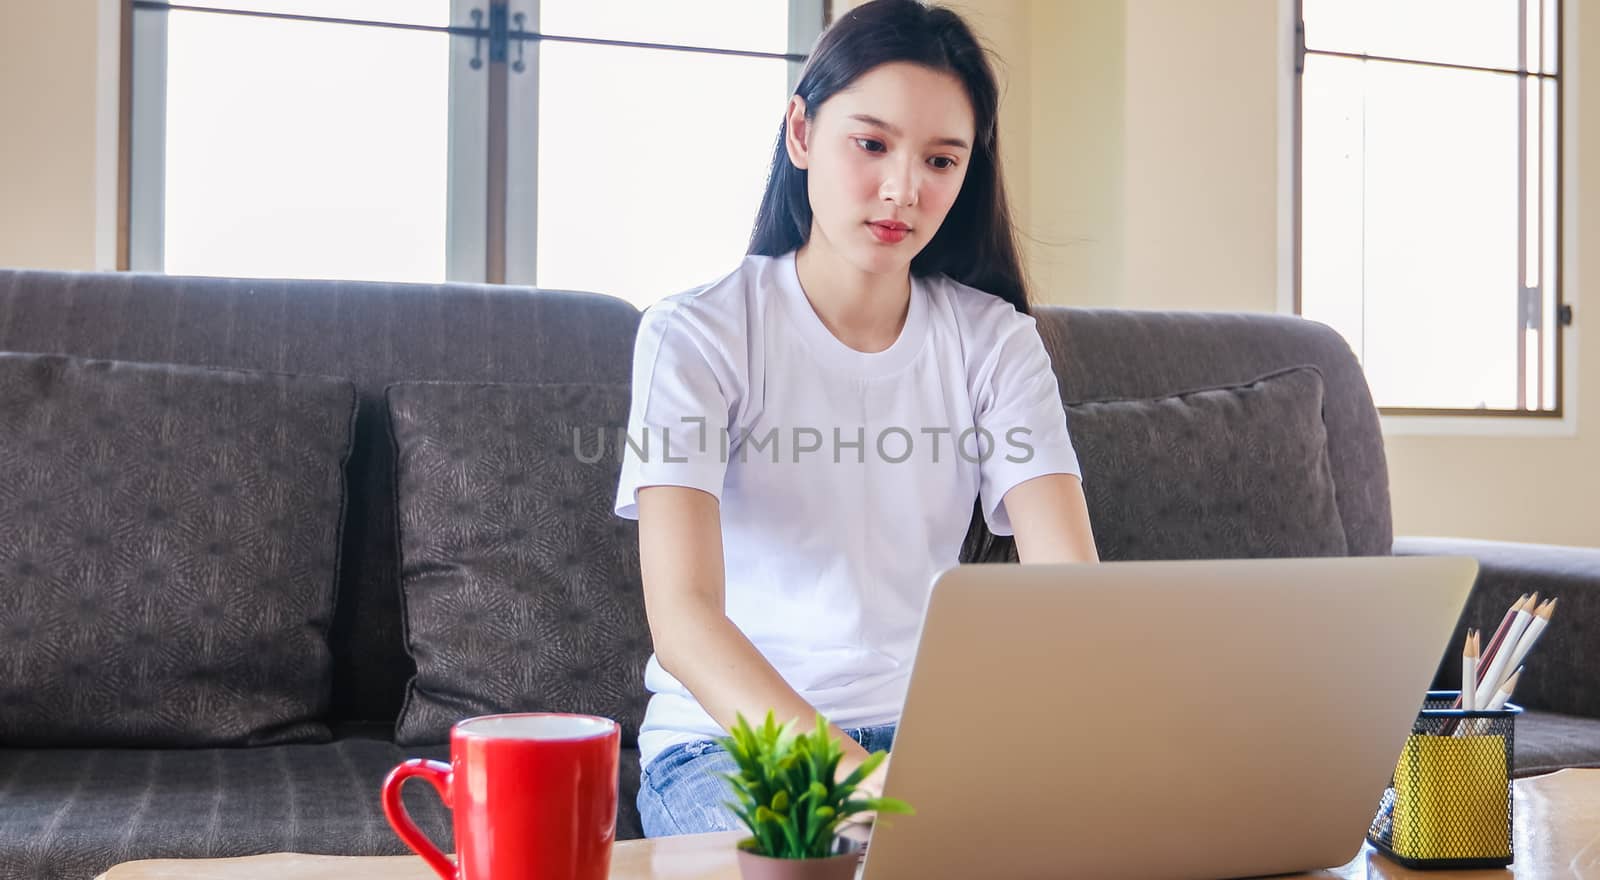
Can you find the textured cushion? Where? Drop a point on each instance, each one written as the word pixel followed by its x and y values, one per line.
pixel 1222 473
pixel 521 591
pixel 168 538
pixel 1546 742
pixel 69 814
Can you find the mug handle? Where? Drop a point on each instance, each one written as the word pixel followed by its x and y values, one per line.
pixel 436 772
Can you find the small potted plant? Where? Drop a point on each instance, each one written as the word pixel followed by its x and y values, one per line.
pixel 792 804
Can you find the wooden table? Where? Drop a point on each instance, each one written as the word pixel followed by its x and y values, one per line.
pixel 1557 835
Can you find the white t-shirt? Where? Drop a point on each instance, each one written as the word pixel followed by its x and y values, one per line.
pixel 843 493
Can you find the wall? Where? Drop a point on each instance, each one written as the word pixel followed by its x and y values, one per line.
pixel 1076 171
pixel 1200 225
pixel 48 148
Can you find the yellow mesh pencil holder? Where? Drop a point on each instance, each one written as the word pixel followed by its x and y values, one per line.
pixel 1449 802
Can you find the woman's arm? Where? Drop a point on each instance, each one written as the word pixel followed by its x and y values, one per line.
pixel 680 557
pixel 1051 520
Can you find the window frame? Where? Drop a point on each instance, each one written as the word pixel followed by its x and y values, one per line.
pixel 1562 308
pixel 492 192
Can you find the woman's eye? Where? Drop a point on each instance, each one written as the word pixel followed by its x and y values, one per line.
pixel 876 146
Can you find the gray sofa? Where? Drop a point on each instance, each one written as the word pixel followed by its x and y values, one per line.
pixel 72 812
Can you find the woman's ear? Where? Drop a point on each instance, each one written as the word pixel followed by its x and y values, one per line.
pixel 797 133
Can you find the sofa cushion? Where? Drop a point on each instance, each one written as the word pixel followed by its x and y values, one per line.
pixel 69 814
pixel 1220 473
pixel 168 546
pixel 521 590
pixel 1547 741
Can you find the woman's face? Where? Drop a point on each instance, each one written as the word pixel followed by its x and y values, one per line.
pixel 892 148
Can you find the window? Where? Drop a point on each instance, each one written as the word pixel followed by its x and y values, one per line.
pixel 618 146
pixel 1428 196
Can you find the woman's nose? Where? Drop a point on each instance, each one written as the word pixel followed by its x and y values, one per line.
pixel 900 187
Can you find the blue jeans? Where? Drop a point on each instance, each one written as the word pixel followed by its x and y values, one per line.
pixel 681 793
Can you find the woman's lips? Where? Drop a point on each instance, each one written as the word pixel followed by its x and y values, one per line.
pixel 887 234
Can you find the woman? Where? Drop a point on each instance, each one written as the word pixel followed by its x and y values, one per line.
pixel 811 433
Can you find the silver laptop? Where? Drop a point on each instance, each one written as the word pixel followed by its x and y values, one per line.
pixel 1156 720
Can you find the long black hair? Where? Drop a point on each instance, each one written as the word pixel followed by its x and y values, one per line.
pixel 976 244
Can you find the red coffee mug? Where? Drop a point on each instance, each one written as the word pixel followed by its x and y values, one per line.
pixel 534 797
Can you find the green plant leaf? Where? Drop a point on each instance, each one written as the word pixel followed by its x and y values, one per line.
pixel 770 842
pixel 822 829
pixel 866 768
pixel 791 836
pixel 746 817
pixel 890 805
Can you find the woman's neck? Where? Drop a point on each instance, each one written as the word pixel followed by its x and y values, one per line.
pixel 866 311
